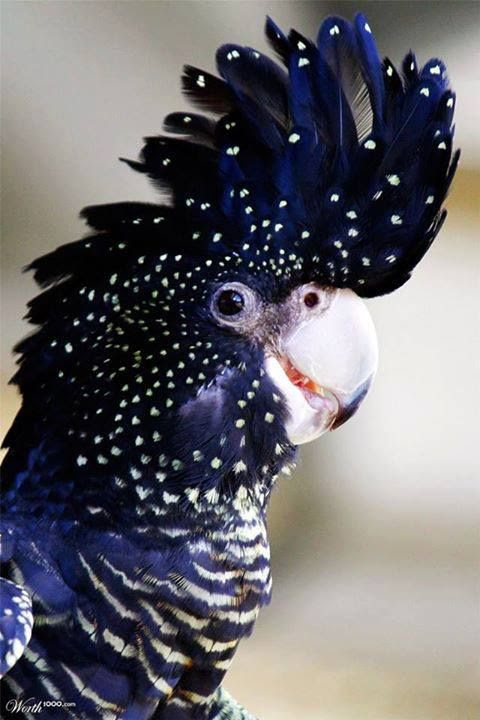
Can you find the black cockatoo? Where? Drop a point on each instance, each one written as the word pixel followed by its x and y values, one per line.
pixel 181 353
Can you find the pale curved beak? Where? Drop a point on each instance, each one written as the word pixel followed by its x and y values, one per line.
pixel 326 367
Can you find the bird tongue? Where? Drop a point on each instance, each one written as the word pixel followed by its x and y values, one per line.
pixel 316 396
pixel 301 381
pixel 322 403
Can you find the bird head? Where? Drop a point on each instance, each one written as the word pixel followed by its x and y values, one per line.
pixel 316 344
pixel 184 350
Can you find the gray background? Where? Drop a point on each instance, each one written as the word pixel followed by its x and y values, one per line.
pixel 375 538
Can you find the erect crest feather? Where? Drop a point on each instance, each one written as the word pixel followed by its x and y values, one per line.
pixel 336 159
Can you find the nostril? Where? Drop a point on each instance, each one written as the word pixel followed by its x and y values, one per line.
pixel 311 299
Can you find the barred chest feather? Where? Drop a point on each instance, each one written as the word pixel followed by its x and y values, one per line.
pixel 158 615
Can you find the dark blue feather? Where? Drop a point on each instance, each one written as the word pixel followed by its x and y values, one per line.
pixel 371 66
pixel 278 40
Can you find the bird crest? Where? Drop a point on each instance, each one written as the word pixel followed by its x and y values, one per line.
pixel 335 160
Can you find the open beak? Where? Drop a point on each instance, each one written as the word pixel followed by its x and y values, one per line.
pixel 326 366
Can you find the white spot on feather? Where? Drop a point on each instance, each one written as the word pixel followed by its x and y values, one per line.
pixel 169 498
pixel 239 467
pixel 393 179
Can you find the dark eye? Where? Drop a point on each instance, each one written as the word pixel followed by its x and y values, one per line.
pixel 230 302
pixel 311 299
pixel 235 305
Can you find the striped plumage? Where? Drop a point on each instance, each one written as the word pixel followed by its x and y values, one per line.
pixel 136 622
pixel 151 433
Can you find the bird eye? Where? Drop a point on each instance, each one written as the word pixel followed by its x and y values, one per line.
pixel 235 304
pixel 311 299
pixel 230 302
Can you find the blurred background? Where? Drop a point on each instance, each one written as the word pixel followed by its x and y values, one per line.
pixel 375 539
